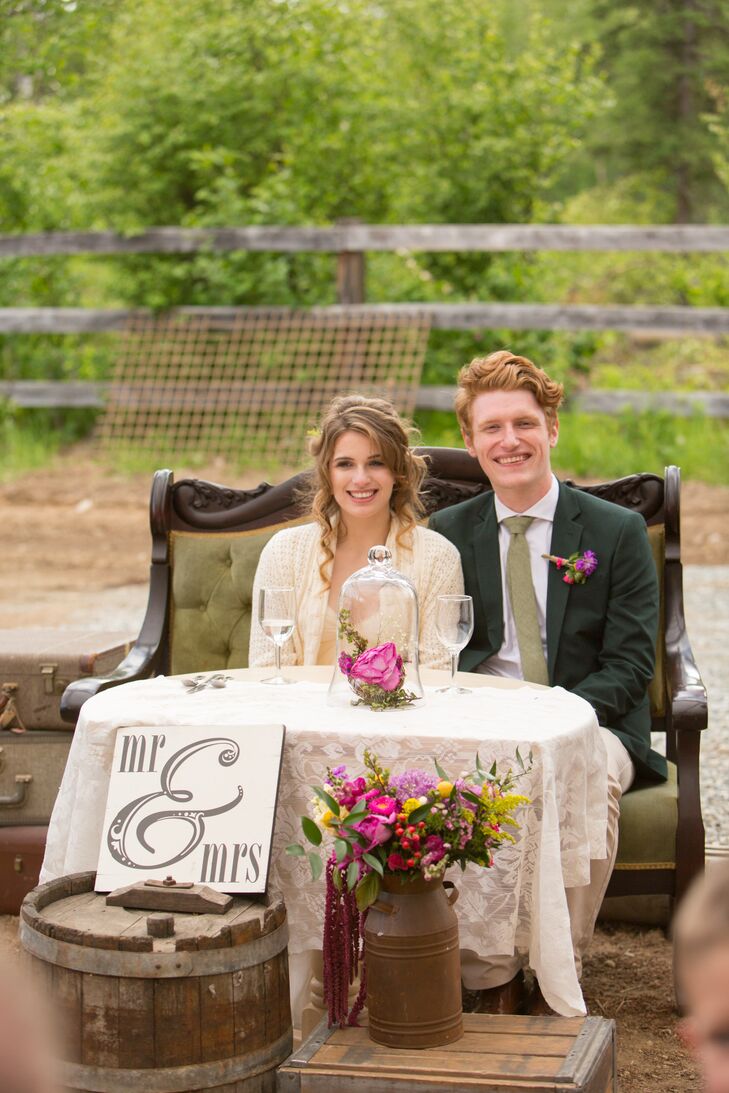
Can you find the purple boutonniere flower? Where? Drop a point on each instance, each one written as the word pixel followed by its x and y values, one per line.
pixel 578 567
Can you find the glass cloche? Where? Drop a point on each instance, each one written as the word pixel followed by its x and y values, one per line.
pixel 377 638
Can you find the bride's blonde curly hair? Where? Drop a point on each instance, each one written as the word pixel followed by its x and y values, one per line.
pixel 390 435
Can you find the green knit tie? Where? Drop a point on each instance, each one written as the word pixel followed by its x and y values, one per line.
pixel 524 602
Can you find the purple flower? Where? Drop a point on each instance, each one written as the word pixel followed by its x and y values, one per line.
pixel 380 666
pixel 588 563
pixel 413 783
pixel 345 663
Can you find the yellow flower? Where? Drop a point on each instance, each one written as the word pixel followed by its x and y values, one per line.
pixel 410 805
pixel 444 788
pixel 326 818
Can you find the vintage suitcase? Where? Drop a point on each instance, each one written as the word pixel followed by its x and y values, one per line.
pixel 496 1054
pixel 31 768
pixel 21 857
pixel 36 666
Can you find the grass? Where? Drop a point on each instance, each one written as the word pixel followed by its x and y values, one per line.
pixel 590 445
pixel 30 439
pixel 597 446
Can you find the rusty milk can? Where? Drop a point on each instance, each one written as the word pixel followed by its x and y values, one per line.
pixel 413 964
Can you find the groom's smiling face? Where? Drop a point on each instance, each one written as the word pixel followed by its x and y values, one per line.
pixel 512 439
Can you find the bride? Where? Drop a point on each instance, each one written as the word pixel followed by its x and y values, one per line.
pixel 365 491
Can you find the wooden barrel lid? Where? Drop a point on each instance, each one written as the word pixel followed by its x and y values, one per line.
pixel 69 913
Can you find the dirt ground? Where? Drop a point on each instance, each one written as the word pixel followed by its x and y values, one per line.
pixel 76 528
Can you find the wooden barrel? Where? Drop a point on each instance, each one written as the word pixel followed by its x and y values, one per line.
pixel 205 1009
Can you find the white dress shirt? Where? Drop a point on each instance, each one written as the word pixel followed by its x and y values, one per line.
pixel 507 661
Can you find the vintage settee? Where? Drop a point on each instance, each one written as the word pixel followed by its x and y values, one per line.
pixel 206 540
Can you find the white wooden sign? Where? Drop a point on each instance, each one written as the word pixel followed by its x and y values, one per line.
pixel 193 802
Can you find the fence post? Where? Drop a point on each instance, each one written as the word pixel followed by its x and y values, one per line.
pixel 350 271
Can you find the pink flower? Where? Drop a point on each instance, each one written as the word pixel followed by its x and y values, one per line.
pixel 351 792
pixel 380 666
pixel 384 807
pixel 373 829
pixel 345 663
pixel 568 578
pixel 434 849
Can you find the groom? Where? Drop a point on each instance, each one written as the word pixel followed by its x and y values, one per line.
pixel 594 637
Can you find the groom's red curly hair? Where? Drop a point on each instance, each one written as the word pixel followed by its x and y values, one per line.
pixel 504 371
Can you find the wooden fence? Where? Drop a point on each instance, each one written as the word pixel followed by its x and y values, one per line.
pixel 350 242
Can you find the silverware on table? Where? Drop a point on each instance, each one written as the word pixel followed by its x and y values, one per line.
pixel 200 681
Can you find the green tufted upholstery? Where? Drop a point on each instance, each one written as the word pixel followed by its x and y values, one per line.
pixel 648 818
pixel 210 609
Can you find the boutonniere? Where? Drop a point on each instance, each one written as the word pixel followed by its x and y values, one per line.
pixel 577 568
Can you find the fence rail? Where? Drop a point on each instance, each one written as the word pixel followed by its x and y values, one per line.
pixel 35 394
pixel 350 241
pixel 359 238
pixel 661 321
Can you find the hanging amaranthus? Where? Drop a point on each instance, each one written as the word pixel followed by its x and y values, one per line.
pixel 343 949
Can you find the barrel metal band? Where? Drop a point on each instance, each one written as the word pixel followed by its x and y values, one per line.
pixel 169 965
pixel 177 1079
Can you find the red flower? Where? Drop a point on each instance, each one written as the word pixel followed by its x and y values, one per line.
pixel 396 861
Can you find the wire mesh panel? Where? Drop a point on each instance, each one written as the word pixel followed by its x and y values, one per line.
pixel 248 384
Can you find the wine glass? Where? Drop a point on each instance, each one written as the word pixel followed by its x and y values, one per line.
pixel 277 614
pixel 454 626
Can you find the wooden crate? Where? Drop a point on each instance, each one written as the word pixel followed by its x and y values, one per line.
pixel 496 1054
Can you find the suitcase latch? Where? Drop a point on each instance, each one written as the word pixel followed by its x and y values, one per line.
pixel 48 672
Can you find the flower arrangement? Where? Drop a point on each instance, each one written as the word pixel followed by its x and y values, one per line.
pixel 578 567
pixel 412 824
pixel 376 675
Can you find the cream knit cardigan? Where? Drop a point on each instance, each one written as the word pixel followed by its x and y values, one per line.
pixel 292 557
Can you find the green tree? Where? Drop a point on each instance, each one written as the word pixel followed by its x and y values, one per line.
pixel 664 63
pixel 48 46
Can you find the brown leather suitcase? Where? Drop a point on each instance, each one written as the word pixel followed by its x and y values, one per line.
pixel 36 666
pixel 31 768
pixel 21 857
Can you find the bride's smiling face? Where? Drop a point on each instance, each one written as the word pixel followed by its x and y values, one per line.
pixel 362 483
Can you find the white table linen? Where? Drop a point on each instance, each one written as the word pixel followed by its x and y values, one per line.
pixel 518 903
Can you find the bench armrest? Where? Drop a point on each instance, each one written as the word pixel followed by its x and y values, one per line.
pixel 687 699
pixel 146 656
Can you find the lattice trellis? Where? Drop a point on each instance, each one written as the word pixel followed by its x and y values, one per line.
pixel 247 385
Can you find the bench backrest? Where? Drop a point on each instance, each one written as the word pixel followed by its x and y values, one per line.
pixel 212 537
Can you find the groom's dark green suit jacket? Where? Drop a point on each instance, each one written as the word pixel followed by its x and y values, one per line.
pixel 600 635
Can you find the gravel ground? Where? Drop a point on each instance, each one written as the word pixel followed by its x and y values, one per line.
pixel 706 597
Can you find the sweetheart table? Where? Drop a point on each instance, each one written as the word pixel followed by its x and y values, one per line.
pixel 518 903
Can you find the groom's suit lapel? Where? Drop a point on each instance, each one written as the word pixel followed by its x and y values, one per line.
pixel 487 565
pixel 567 533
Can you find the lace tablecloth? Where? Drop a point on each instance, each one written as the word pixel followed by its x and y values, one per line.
pixel 519 902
